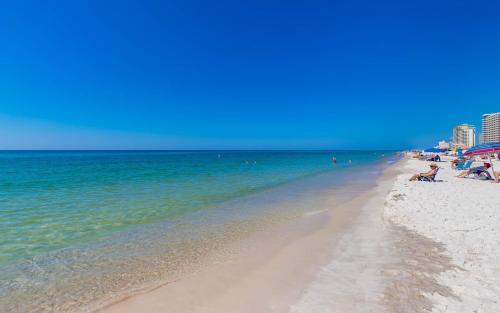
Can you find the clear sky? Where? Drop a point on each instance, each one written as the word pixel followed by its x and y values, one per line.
pixel 244 74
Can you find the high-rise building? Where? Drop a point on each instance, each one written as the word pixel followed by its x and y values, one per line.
pixel 491 127
pixel 464 135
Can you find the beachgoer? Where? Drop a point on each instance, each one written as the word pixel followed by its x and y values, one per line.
pixel 350 161
pixel 334 159
pixel 483 168
pixel 430 173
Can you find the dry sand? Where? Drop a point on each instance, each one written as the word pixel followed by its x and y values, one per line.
pixel 463 215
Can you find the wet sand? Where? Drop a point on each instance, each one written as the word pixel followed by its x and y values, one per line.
pixel 266 275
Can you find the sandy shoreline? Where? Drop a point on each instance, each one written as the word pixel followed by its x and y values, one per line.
pixel 273 275
pixel 377 266
pixel 378 252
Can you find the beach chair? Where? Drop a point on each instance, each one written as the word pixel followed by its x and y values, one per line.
pixel 429 178
pixel 468 164
pixel 464 165
pixel 482 174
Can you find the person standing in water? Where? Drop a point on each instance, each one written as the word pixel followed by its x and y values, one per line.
pixel 334 159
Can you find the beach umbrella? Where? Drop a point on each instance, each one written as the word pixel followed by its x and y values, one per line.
pixel 435 150
pixel 486 148
pixel 483 149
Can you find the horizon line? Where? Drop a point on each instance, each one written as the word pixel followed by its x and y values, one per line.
pixel 184 150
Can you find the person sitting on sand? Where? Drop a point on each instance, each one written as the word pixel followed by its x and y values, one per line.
pixel 476 169
pixel 430 173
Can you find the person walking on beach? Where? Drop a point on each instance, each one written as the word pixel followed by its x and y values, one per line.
pixel 430 173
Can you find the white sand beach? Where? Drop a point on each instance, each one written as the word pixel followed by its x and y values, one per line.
pixel 249 156
pixel 464 216
pixel 400 247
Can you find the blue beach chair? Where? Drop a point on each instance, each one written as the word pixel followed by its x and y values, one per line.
pixel 468 165
pixel 464 165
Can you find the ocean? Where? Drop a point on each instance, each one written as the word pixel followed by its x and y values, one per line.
pixel 79 228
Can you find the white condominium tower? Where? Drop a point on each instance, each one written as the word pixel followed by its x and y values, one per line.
pixel 464 135
pixel 491 127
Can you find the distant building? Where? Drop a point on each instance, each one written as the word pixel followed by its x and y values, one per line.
pixel 464 135
pixel 491 127
pixel 443 145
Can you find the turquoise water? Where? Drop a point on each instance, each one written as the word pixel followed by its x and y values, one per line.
pixel 49 200
pixel 82 219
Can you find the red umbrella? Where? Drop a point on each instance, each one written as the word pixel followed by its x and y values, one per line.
pixel 487 148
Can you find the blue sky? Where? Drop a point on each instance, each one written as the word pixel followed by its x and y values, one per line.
pixel 244 74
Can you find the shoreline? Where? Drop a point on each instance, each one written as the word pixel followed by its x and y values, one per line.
pixel 271 275
pixel 84 277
